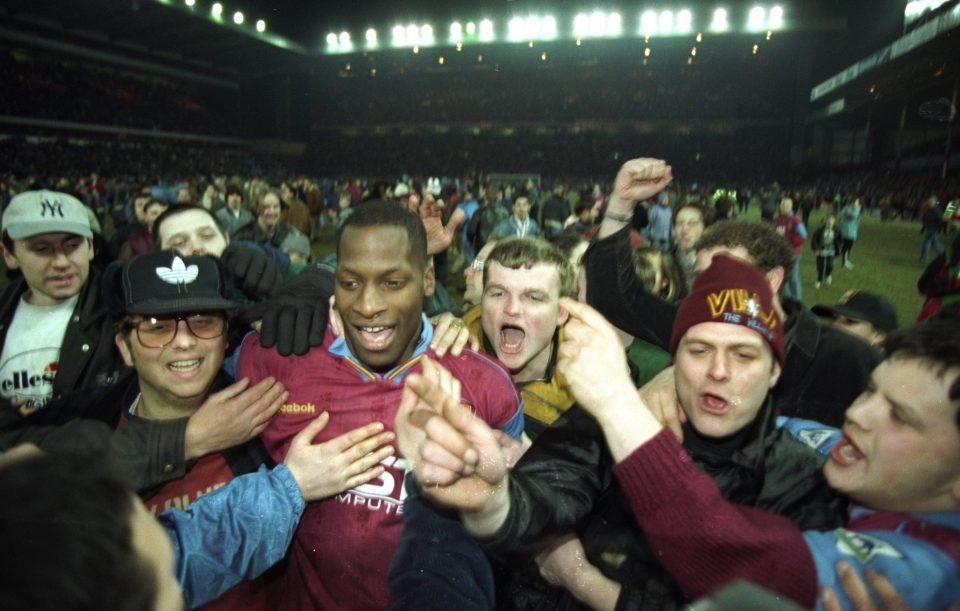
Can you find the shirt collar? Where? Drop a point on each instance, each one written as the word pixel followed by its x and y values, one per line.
pixel 340 349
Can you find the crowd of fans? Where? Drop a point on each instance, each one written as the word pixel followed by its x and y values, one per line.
pixel 58 88
pixel 653 411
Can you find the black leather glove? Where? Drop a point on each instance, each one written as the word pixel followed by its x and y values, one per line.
pixel 295 318
pixel 252 271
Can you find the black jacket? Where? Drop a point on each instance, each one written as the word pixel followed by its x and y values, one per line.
pixel 565 483
pixel 825 369
pixel 149 452
pixel 88 358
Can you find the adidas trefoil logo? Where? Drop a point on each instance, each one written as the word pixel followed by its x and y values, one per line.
pixel 178 273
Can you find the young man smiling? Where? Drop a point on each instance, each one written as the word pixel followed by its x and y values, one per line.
pixel 342 550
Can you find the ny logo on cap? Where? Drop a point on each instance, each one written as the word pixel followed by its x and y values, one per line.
pixel 178 273
pixel 55 207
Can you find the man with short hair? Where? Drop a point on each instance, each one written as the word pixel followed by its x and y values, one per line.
pixel 519 224
pixel 897 458
pixel 869 316
pixel 53 324
pixel 520 322
pixel 234 215
pixel 825 369
pixel 343 547
pixel 728 347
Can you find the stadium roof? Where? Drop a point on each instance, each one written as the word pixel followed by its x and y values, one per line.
pixel 185 35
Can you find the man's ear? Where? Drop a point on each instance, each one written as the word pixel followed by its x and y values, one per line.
pixel 775 373
pixel 429 281
pixel 9 258
pixel 562 317
pixel 124 349
pixel 90 244
pixel 775 279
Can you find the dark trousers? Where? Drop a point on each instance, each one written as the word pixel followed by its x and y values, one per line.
pixel 845 249
pixel 824 267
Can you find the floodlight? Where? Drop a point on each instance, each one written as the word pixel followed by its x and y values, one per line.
pixel 543 56
pixel 217 9
pixel 581 25
pixel 261 25
pixel 756 19
pixel 776 18
pixel 413 33
pixel 440 60
pixel 532 27
pixel 426 33
pixel 614 24
pixel 549 27
pixel 684 21
pixel 648 23
pixel 598 23
pixel 332 39
pixel 190 3
pixel 456 32
pixel 719 23
pixel 665 22
pixel 238 18
pixel 646 52
pixel 345 39
pixel 371 36
pixel 398 35
pixel 486 30
pixel 471 28
pixel 515 29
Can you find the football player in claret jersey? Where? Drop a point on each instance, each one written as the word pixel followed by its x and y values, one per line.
pixel 342 551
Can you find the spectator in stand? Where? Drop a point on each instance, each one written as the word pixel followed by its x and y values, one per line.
pixel 234 215
pixel 863 314
pixel 931 226
pixel 554 212
pixel 295 212
pixel 212 199
pixel 826 244
pixel 825 368
pixel 849 230
pixel 519 224
pixel 583 221
pixel 794 232
pixel 142 241
pixel 122 234
pixel 688 225
pixel 661 222
pixel 268 227
pixel 470 206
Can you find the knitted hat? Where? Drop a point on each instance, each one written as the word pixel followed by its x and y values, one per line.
pixel 733 292
pixel 163 282
pixel 37 212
